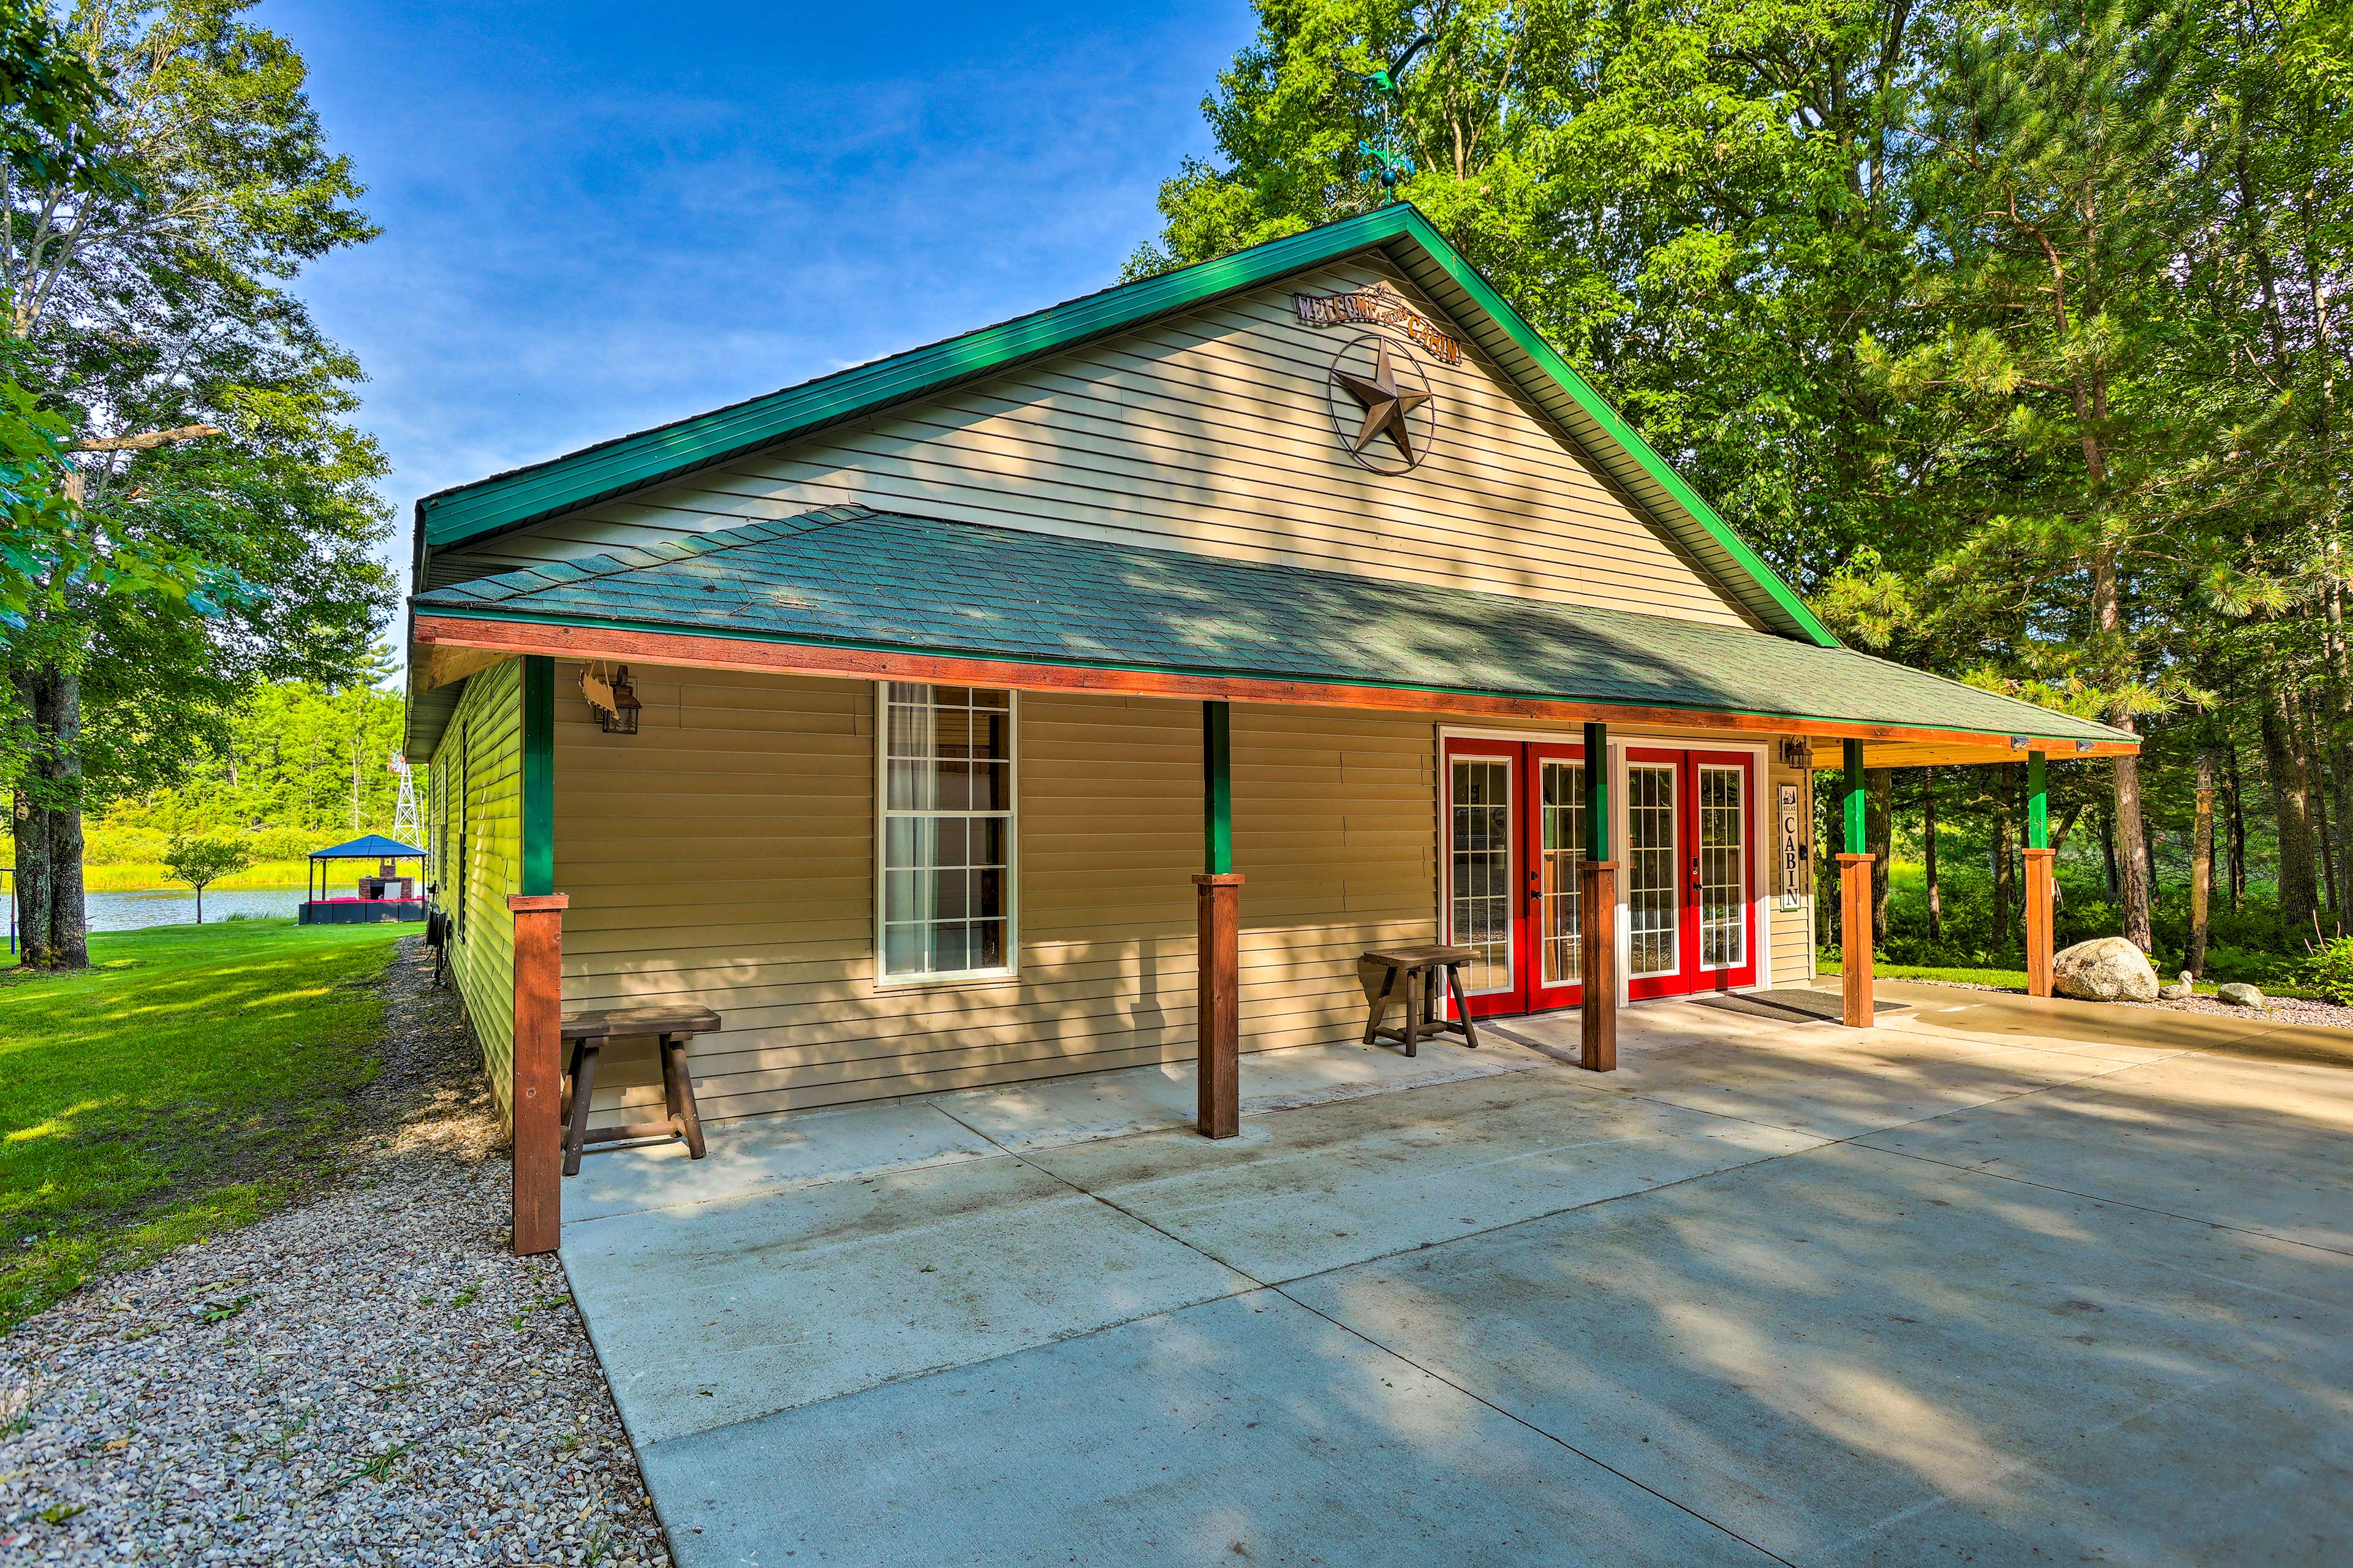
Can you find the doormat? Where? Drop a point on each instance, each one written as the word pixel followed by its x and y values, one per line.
pixel 1793 1005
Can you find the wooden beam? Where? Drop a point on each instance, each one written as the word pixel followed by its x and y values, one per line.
pixel 1596 886
pixel 1855 922
pixel 697 652
pixel 446 666
pixel 538 1070
pixel 1219 1003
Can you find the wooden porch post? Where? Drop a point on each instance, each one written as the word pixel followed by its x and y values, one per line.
pixel 1854 897
pixel 2039 856
pixel 538 1069
pixel 538 1065
pixel 1597 887
pixel 1218 892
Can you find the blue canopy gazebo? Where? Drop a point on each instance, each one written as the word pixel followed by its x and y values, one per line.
pixel 375 896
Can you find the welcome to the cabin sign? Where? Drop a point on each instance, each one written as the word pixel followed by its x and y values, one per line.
pixel 1378 306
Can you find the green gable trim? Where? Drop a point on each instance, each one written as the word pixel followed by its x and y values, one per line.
pixel 631 462
pixel 850 578
pixel 1598 408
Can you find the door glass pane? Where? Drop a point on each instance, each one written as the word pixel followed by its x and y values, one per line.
pixel 1561 833
pixel 1481 842
pixel 1723 868
pixel 1652 904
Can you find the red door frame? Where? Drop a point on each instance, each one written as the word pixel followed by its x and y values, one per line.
pixel 1538 996
pixel 1524 836
pixel 1689 975
pixel 1524 839
pixel 1724 978
pixel 1513 756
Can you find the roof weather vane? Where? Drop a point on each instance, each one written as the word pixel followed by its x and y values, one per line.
pixel 1384 153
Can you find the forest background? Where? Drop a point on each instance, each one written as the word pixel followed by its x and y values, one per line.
pixel 2013 332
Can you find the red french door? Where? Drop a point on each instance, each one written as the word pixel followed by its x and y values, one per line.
pixel 1516 832
pixel 1689 870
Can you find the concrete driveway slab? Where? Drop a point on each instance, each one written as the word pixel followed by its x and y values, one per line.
pixel 1306 1192
pixel 1245 1431
pixel 1848 1082
pixel 721 1312
pixel 2257 1145
pixel 1088 1106
pixel 1849 1355
pixel 772 1153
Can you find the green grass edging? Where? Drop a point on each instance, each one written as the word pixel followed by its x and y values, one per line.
pixel 185 1084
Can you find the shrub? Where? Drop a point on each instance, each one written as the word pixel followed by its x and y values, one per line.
pixel 2330 969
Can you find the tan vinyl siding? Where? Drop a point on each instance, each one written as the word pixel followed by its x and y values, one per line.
pixel 484 812
pixel 1210 431
pixel 724 854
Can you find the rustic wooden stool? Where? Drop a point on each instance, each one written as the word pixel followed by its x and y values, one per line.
pixel 671 1027
pixel 1427 962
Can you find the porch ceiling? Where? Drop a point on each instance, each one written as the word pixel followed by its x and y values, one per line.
pixel 850 592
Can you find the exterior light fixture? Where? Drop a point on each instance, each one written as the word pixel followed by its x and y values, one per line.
pixel 2020 743
pixel 616 701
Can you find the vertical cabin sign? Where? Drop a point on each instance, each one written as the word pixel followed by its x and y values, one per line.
pixel 1792 862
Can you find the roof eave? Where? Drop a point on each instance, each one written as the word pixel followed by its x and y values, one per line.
pixel 508 630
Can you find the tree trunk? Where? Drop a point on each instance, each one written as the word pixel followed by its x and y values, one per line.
pixel 2335 752
pixel 2003 793
pixel 2237 839
pixel 48 837
pixel 2108 849
pixel 2151 839
pixel 1929 851
pixel 2290 800
pixel 2131 850
pixel 2316 771
pixel 1878 828
pixel 2201 865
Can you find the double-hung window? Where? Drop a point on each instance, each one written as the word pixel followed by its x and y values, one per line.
pixel 945 782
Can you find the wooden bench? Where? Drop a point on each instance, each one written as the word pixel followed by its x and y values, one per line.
pixel 1428 963
pixel 587 1033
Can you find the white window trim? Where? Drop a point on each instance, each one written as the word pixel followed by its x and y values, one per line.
pixel 1011 969
pixel 1760 900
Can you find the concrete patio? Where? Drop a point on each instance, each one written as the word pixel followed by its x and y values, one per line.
pixel 1998 1282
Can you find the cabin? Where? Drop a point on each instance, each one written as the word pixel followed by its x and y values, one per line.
pixel 1100 687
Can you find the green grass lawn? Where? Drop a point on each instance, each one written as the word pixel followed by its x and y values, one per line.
pixel 1830 962
pixel 184 1085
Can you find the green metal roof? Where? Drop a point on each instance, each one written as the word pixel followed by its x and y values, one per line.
pixel 852 577
pixel 563 484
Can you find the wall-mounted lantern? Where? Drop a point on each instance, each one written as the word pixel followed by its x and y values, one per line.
pixel 614 700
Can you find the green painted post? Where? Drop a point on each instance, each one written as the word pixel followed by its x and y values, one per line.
pixel 538 775
pixel 1597 791
pixel 1218 788
pixel 1854 800
pixel 2038 805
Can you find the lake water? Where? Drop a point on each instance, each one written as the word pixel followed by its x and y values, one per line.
pixel 177 906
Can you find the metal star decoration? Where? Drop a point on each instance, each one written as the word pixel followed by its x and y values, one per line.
pixel 1386 405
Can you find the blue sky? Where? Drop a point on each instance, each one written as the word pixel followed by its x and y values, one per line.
pixel 602 218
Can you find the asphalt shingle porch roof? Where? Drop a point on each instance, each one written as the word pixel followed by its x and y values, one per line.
pixel 853 578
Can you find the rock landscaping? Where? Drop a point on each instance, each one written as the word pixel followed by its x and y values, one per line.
pixel 2106 969
pixel 369 1378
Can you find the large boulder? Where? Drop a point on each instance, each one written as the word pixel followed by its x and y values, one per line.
pixel 2106 969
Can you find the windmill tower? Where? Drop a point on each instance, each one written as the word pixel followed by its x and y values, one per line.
pixel 405 824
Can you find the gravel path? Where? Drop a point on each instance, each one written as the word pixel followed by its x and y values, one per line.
pixel 370 1378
